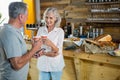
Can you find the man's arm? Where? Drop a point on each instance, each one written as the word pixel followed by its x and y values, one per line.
pixel 19 62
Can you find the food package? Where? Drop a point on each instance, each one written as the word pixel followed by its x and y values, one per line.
pixel 102 44
pixel 117 52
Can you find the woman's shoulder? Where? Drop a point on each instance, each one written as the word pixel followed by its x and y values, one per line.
pixel 41 28
pixel 59 28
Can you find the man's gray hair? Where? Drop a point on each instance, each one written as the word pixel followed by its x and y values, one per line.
pixel 16 8
pixel 55 13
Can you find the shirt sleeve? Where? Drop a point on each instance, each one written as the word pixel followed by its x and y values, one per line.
pixel 38 32
pixel 60 41
pixel 12 45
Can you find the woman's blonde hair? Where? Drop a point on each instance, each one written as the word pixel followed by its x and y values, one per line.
pixel 55 13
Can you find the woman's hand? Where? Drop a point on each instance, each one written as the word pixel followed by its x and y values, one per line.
pixel 47 42
pixel 36 44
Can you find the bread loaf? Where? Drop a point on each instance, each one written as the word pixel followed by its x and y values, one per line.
pixel 104 37
pixel 92 41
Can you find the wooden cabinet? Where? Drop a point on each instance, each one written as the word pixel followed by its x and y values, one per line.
pixel 103 12
pixel 84 66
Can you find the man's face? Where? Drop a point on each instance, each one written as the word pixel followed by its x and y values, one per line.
pixel 23 18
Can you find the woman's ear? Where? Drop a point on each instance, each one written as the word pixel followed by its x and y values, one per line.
pixel 56 20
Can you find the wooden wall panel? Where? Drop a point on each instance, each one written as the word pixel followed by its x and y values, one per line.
pixel 74 7
pixel 113 31
pixel 75 11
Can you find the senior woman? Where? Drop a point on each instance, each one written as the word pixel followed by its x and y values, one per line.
pixel 51 63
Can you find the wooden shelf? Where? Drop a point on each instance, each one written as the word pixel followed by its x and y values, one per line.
pixel 112 12
pixel 54 3
pixel 102 21
pixel 109 15
pixel 32 28
pixel 99 3
pixel 75 20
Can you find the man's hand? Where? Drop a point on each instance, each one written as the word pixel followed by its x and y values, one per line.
pixel 39 53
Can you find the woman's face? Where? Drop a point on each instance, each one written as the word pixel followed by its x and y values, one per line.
pixel 50 19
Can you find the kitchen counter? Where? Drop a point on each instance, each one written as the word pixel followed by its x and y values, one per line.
pixel 84 66
pixel 91 66
pixel 103 58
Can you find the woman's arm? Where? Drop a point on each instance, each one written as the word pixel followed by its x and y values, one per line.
pixel 51 54
pixel 56 49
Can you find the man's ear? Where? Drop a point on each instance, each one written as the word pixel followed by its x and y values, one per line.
pixel 20 17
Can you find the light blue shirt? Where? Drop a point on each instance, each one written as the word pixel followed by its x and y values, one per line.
pixel 12 45
pixel 52 64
